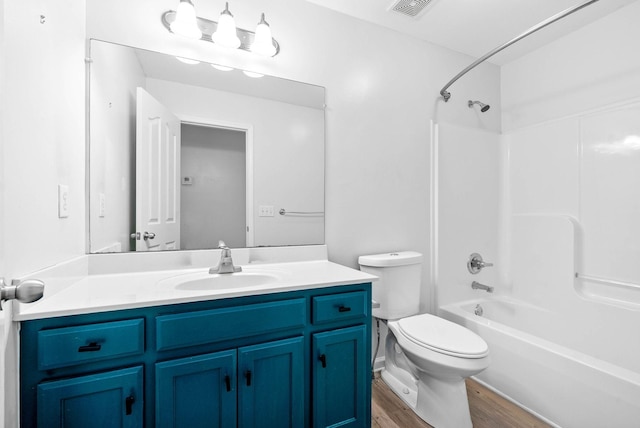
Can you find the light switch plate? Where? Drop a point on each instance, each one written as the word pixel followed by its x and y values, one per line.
pixel 63 201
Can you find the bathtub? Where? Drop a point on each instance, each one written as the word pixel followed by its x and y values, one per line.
pixel 548 364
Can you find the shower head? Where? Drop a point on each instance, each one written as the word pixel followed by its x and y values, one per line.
pixel 483 107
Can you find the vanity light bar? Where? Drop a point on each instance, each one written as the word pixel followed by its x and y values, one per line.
pixel 209 27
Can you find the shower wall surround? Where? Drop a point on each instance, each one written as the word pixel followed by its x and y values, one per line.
pixel 569 236
pixel 583 171
pixel 592 67
pixel 561 185
pixel 469 178
pixel 573 147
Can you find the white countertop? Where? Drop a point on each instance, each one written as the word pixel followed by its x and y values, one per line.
pixel 103 292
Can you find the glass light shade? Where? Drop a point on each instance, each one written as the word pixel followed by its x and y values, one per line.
pixel 263 41
pixel 221 67
pixel 253 74
pixel 187 60
pixel 226 34
pixel 185 23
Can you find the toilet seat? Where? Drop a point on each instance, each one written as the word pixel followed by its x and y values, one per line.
pixel 442 336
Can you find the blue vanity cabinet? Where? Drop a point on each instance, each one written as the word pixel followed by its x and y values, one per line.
pixel 251 361
pixel 197 391
pixel 271 384
pixel 112 400
pixel 341 379
pixel 254 386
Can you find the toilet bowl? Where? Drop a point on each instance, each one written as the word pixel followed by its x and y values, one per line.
pixel 438 355
pixel 427 358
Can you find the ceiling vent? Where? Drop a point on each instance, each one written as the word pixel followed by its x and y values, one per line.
pixel 409 7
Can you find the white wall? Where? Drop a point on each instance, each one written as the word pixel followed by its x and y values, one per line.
pixel 4 318
pixel 44 133
pixel 43 140
pixel 213 206
pixel 115 75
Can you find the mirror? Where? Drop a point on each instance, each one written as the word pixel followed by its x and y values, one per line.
pixel 184 155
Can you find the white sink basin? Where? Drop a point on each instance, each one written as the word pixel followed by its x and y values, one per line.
pixel 204 281
pixel 230 280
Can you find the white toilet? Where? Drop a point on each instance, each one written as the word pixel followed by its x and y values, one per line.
pixel 427 358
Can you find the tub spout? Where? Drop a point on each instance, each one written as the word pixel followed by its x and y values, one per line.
pixel 477 286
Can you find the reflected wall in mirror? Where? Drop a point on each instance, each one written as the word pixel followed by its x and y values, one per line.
pixel 184 155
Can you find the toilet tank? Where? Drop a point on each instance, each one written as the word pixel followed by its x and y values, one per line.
pixel 398 289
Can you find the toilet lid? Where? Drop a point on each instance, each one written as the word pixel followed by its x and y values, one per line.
pixel 443 336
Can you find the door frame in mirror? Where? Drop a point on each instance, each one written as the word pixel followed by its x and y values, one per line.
pixel 248 130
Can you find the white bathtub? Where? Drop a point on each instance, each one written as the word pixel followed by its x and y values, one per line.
pixel 578 371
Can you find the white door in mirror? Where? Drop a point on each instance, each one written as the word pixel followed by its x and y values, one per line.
pixel 157 175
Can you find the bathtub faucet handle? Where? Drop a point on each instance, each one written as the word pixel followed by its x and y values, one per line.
pixel 476 264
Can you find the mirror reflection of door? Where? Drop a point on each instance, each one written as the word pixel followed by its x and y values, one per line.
pixel 213 197
pixel 157 175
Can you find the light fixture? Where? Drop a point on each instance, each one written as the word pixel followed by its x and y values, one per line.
pixel 187 60
pixel 263 41
pixel 226 33
pixel 185 23
pixel 223 32
pixel 221 67
pixel 252 74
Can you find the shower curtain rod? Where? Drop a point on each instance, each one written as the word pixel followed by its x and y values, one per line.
pixel 446 95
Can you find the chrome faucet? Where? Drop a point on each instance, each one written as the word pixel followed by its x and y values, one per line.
pixel 477 286
pixel 226 262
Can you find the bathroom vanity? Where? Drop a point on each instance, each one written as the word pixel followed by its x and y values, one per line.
pixel 290 354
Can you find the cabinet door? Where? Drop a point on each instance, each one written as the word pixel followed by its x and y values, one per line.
pixel 340 376
pixel 197 391
pixel 271 384
pixel 110 400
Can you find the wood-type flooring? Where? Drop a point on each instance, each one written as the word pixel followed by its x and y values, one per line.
pixel 488 410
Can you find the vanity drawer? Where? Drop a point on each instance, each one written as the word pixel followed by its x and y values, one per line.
pixel 60 347
pixel 336 307
pixel 215 325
